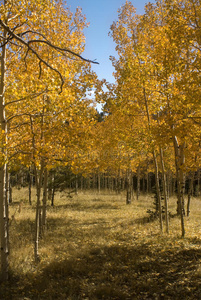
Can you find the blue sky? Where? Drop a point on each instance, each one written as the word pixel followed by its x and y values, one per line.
pixel 101 14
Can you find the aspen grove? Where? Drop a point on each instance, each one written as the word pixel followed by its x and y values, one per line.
pixel 41 88
pixel 149 129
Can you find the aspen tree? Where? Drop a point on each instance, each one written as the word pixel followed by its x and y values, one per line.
pixel 158 65
pixel 124 33
pixel 3 169
pixel 33 51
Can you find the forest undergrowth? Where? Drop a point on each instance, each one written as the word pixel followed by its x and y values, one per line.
pixel 97 247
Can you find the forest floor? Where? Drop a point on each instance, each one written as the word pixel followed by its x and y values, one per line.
pixel 97 247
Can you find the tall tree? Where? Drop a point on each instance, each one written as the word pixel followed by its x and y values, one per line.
pixel 32 34
pixel 158 64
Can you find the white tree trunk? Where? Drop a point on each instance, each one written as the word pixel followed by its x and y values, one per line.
pixel 3 171
pixel 164 191
pixel 190 191
pixel 38 176
pixel 44 214
pixel 156 166
pixel 179 161
pixel 158 191
pixel 129 186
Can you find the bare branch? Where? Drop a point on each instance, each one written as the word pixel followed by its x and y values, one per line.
pixel 194 120
pixel 41 60
pixel 61 49
pixel 6 42
pixel 12 18
pixel 196 47
pixel 34 32
pixel 40 70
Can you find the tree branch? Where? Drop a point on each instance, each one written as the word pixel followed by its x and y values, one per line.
pixel 41 60
pixel 61 49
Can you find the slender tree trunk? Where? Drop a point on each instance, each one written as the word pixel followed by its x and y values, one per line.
pixel 198 186
pixel 21 179
pixel 94 181
pixel 123 183
pixel 147 179
pixel 9 200
pixel 10 190
pixel 3 171
pixel 85 183
pixel 164 191
pixel 38 176
pixel 177 164
pixel 88 182
pixel 29 182
pixel 4 224
pixel 53 194
pixel 168 185
pixel 99 182
pixel 129 186
pixel 106 182
pixel 179 161
pixel 44 213
pixel 158 191
pixel 164 186
pixel 190 191
pixel 156 166
pixel 138 182
pixel 81 183
pixel 52 189
pixel 143 184
pixel 76 184
pixel 112 183
pixel 119 181
pixel 182 176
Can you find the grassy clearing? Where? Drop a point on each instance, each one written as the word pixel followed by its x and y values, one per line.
pixel 96 247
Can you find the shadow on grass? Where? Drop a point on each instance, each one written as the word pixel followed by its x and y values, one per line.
pixel 78 206
pixel 152 218
pixel 72 230
pixel 116 272
pixel 144 220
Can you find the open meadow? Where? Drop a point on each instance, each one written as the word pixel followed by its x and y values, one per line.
pixel 97 247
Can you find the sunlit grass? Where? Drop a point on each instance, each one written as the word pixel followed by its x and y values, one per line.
pixel 97 247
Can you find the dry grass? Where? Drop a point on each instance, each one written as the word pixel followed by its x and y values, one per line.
pixel 97 247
